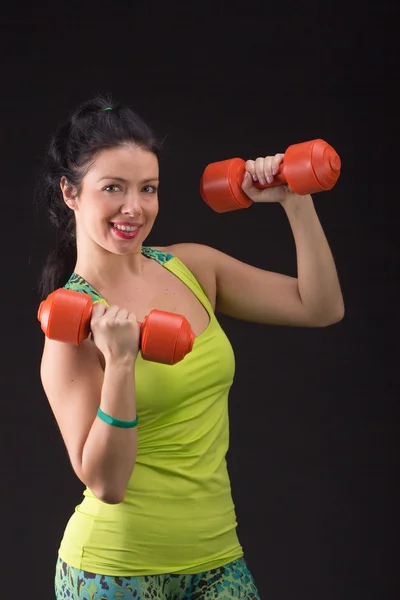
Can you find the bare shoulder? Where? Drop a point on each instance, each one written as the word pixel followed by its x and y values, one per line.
pixel 200 260
pixel 190 254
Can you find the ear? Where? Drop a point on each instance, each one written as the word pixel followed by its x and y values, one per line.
pixel 69 193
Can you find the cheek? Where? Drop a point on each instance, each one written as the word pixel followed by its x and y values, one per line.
pixel 96 221
pixel 155 208
pixel 150 210
pixel 104 211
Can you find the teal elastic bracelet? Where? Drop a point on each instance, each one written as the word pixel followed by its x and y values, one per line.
pixel 116 422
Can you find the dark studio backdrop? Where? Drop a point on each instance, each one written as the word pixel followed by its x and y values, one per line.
pixel 314 414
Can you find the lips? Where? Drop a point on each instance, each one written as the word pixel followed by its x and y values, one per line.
pixel 123 230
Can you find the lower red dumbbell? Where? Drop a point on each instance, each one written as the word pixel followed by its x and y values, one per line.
pixel 308 167
pixel 164 337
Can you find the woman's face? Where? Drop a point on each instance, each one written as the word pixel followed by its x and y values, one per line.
pixel 118 202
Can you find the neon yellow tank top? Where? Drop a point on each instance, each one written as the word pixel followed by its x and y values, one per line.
pixel 178 515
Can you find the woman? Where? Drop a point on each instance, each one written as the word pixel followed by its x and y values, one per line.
pixel 157 519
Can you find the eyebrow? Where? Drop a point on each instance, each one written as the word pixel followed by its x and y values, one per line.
pixel 124 180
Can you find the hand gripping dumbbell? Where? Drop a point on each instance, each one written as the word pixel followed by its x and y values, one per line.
pixel 164 337
pixel 308 167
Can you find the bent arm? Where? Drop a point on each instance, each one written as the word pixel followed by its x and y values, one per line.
pixel 109 454
pixel 317 278
pixel 102 456
pixel 312 299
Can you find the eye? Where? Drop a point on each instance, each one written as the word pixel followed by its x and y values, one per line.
pixel 150 189
pixel 112 188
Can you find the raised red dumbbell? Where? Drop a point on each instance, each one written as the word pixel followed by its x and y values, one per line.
pixel 308 167
pixel 164 337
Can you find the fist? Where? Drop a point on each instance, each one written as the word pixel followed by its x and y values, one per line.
pixel 264 171
pixel 115 331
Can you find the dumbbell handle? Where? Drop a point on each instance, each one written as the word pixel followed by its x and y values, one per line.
pixel 164 337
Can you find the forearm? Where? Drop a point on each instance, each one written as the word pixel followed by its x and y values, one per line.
pixel 318 282
pixel 109 453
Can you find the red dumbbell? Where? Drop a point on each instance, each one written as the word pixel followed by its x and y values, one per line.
pixel 308 167
pixel 164 337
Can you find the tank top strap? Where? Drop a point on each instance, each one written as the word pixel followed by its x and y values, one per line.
pixel 180 270
pixel 169 261
pixel 158 255
pixel 78 284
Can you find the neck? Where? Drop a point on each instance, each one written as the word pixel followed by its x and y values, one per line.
pixel 103 269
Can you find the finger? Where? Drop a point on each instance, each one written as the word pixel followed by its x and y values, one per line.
pixel 268 169
pixel 250 168
pixel 247 182
pixel 112 312
pixel 276 162
pixel 99 310
pixel 259 168
pixel 122 315
pixel 98 313
pixel 134 320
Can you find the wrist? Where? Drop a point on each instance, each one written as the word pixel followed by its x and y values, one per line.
pixel 124 362
pixel 294 203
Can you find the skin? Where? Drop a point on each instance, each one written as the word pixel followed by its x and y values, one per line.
pixel 103 199
pixel 121 186
pixel 312 299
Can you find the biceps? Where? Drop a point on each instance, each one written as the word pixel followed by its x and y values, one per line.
pixel 72 384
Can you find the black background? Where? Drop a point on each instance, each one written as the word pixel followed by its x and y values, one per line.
pixel 314 413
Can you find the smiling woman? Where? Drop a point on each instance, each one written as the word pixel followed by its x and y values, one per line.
pixel 115 196
pixel 157 517
pixel 157 509
pixel 109 145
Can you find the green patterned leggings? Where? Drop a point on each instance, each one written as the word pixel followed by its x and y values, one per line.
pixel 233 580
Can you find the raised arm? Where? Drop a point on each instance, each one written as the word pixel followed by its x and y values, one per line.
pixel 312 299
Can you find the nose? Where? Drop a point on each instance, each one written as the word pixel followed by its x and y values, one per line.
pixel 132 205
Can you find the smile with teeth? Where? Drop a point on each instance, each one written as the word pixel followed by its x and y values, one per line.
pixel 125 227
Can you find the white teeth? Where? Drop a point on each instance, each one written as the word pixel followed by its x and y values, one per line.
pixel 125 227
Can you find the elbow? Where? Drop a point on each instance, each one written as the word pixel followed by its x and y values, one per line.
pixel 332 317
pixel 111 497
pixel 339 314
pixel 108 496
